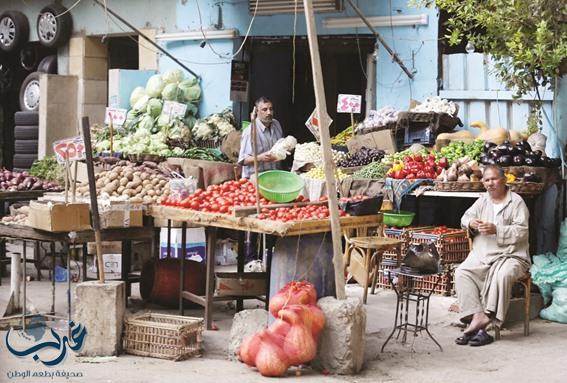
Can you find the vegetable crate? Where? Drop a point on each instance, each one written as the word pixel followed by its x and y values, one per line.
pixel 163 336
pixel 453 247
pixel 445 286
pixel 403 234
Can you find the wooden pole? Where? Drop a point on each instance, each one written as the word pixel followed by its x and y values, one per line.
pixel 85 128
pixel 255 150
pixel 329 166
pixel 111 127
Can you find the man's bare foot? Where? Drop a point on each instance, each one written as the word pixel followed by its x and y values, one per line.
pixel 479 321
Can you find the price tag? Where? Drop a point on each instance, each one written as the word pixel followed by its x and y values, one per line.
pixel 349 103
pixel 313 125
pixel 174 109
pixel 116 115
pixel 72 148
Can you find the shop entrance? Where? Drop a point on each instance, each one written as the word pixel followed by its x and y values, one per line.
pixel 343 60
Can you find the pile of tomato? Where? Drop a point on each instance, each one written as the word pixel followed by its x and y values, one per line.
pixel 442 230
pixel 297 213
pixel 418 166
pixel 219 198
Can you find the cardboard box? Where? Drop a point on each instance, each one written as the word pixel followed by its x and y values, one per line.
pixel 107 247
pixel 121 83
pixel 241 284
pixel 59 217
pixel 120 214
pixel 383 139
pixel 196 244
pixel 112 266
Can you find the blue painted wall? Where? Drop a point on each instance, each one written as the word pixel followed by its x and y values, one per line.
pixel 417 47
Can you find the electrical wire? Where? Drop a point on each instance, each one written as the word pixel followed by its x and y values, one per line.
pixel 229 56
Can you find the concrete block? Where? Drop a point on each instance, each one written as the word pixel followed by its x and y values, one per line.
pixel 95 112
pixel 147 55
pixel 87 47
pixel 516 308
pixel 342 341
pixel 100 307
pixel 245 324
pixel 88 68
pixel 92 91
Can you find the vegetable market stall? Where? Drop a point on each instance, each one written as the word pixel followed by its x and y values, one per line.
pixel 304 230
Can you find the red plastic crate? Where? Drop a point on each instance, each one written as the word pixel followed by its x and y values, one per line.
pixel 452 247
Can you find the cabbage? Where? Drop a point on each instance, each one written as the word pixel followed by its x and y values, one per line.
pixel 154 107
pixel 163 120
pixel 173 76
pixel 147 123
pixel 154 86
pixel 192 110
pixel 136 94
pixel 190 121
pixel 170 92
pixel 190 90
pixel 142 103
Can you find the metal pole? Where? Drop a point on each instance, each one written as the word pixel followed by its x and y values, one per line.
pixel 394 55
pixel 146 38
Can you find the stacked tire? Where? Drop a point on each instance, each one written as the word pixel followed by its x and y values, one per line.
pixel 26 136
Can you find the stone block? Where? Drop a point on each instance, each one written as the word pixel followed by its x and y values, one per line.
pixel 100 308
pixel 88 68
pixel 87 47
pixel 92 91
pixel 245 324
pixel 342 341
pixel 95 112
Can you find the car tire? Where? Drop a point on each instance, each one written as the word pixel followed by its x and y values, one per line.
pixel 54 26
pixel 24 161
pixel 27 118
pixel 14 30
pixel 29 93
pixel 26 132
pixel 25 147
pixel 48 65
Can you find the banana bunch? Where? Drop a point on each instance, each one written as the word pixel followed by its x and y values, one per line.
pixel 342 137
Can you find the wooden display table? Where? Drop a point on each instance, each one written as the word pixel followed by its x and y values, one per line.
pixel 281 229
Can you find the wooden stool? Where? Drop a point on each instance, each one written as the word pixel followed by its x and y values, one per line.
pixel 527 283
pixel 363 256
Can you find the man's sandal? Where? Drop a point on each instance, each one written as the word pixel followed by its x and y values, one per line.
pixel 481 338
pixel 465 338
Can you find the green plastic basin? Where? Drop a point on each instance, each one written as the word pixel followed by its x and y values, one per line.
pixel 398 218
pixel 280 186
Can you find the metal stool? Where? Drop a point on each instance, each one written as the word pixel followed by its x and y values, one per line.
pixel 363 256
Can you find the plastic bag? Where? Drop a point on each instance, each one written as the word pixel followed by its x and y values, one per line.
pixel 423 257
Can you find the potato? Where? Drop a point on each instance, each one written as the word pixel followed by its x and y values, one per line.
pixel 139 188
pixel 162 182
pixel 112 186
pixel 121 189
pixel 123 181
pixel 151 192
pixel 129 175
pixel 136 200
pixel 144 176
pixel 147 199
pixel 145 183
pixel 155 181
pixel 112 175
pixel 137 184
pixel 101 183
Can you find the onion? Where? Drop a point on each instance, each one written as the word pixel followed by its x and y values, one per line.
pixel 311 316
pixel 249 349
pixel 293 293
pixel 271 360
pixel 299 345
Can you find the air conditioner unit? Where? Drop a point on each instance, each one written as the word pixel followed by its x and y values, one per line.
pixel 274 7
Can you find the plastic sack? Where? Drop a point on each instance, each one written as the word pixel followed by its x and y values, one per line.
pixel 423 257
pixel 558 310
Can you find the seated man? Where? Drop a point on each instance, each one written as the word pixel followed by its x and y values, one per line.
pixel 498 222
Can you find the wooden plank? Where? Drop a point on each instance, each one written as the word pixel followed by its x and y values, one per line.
pixel 21 195
pixel 328 163
pixel 198 299
pixel 475 72
pixel 260 226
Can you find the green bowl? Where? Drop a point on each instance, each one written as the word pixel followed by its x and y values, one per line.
pixel 280 186
pixel 398 218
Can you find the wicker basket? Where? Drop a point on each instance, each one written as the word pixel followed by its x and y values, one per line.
pixel 455 186
pixel 163 336
pixel 452 247
pixel 211 144
pixel 526 187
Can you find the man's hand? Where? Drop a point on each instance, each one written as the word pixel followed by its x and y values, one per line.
pixel 267 157
pixel 474 224
pixel 486 228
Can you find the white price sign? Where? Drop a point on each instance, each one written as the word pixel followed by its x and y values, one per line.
pixel 349 103
pixel 174 109
pixel 116 115
pixel 313 125
pixel 72 148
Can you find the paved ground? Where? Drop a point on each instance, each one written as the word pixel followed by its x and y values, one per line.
pixel 538 358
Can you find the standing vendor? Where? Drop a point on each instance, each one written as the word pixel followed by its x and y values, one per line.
pixel 268 131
